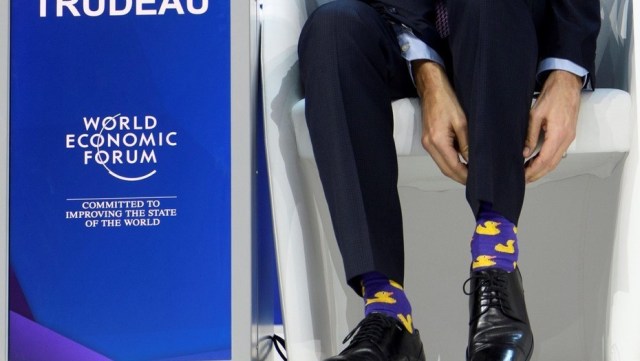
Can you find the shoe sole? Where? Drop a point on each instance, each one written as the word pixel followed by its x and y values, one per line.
pixel 530 351
pixel 407 358
pixel 420 357
pixel 528 358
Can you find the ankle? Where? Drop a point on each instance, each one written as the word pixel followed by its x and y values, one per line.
pixel 387 297
pixel 495 242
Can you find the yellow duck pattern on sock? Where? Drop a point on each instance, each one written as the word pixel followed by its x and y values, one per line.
pixel 489 228
pixel 381 297
pixel 407 322
pixel 385 296
pixel 509 248
pixel 483 261
pixel 396 285
pixel 494 243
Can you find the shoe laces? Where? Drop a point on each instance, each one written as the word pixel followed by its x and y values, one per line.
pixel 371 328
pixel 492 287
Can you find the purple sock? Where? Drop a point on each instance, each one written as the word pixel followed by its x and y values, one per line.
pixel 495 242
pixel 385 296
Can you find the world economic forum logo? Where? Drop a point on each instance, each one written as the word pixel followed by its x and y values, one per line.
pixel 124 146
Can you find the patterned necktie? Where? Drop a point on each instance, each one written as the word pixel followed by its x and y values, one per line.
pixel 442 22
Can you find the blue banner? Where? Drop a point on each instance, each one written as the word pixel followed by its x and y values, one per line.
pixel 120 179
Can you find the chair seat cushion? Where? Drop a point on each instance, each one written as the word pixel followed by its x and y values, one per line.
pixel 604 125
pixel 603 138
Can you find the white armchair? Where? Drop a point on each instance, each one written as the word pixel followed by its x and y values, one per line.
pixel 596 315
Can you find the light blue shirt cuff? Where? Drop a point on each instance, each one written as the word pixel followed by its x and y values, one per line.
pixel 548 64
pixel 415 49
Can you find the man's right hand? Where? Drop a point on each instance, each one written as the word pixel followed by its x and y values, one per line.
pixel 444 125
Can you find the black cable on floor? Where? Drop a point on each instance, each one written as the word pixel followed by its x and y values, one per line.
pixel 277 343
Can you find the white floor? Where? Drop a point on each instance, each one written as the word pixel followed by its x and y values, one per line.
pixel 566 250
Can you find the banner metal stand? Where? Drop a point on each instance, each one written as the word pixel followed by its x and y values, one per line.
pixel 4 173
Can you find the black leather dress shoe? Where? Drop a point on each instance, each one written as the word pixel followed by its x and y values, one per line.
pixel 499 326
pixel 381 338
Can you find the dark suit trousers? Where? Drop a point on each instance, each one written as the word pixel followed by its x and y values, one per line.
pixel 351 67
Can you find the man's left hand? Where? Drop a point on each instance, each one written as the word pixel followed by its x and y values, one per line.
pixel 556 113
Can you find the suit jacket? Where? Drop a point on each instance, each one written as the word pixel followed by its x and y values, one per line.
pixel 567 29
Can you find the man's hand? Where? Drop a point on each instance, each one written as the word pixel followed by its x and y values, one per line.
pixel 556 113
pixel 444 125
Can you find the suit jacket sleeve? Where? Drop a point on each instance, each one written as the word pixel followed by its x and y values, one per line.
pixel 569 31
pixel 418 15
pixel 569 28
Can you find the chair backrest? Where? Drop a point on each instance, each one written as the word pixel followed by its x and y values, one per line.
pixel 614 44
pixel 313 4
pixel 316 309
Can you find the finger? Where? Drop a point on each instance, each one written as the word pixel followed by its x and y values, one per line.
pixel 458 170
pixel 547 160
pixel 461 133
pixel 533 132
pixel 446 158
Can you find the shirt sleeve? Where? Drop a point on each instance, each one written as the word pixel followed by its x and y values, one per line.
pixel 549 64
pixel 415 49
